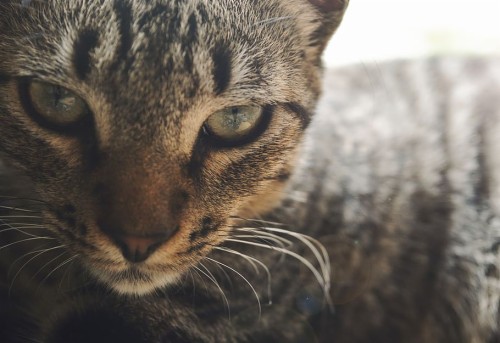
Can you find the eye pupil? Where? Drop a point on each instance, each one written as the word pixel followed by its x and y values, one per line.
pixel 63 100
pixel 235 120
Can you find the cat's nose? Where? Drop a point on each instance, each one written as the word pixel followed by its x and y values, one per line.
pixel 137 249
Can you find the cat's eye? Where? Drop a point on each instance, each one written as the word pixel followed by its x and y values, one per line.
pixel 54 104
pixel 234 125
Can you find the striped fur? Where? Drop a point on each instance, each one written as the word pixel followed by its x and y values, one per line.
pixel 396 178
pixel 398 186
pixel 399 178
pixel 152 72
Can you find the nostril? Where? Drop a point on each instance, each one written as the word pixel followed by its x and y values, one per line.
pixel 136 248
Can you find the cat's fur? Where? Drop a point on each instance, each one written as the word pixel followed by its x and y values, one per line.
pixel 152 73
pixel 400 187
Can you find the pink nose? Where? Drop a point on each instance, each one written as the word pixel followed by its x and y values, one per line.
pixel 137 249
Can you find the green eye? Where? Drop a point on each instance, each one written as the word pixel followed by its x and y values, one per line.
pixel 56 105
pixel 234 124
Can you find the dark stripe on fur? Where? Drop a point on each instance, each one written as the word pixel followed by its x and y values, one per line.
pixel 123 13
pixel 319 36
pixel 283 176
pixel 221 56
pixel 147 16
pixel 189 40
pixel 202 12
pixel 421 260
pixel 192 32
pixel 300 112
pixel 487 99
pixel 66 218
pixel 194 166
pixel 482 186
pixel 207 227
pixel 82 59
pixel 196 247
pixel 251 165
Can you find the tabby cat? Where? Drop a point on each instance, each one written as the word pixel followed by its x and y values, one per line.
pixel 157 186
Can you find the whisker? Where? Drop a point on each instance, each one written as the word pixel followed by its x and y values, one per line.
pixel 263 238
pixel 196 270
pixel 64 276
pixel 193 283
pixel 226 275
pixel 253 261
pixel 313 244
pixel 288 242
pixel 218 286
pixel 6 198
pixel 21 229
pixel 240 275
pixel 301 259
pixel 19 216
pixel 211 276
pixel 258 221
pixel 23 256
pixel 26 240
pixel 27 225
pixel 273 20
pixel 58 267
pixel 18 209
pixel 46 264
pixel 40 252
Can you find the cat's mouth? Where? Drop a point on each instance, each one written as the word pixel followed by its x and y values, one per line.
pixel 135 279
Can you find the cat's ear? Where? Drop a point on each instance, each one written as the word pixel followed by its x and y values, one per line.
pixel 326 16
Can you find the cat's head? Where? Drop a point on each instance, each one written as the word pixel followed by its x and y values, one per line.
pixel 147 125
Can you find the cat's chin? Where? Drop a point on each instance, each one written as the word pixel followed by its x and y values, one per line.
pixel 135 282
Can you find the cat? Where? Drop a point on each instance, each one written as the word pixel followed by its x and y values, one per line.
pixel 144 129
pixel 411 261
pixel 157 185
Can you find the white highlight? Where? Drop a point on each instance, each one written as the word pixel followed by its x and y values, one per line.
pixel 389 29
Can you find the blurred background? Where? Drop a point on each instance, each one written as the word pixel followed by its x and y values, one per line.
pixel 378 30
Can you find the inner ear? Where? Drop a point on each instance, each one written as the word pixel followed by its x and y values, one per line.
pixel 329 5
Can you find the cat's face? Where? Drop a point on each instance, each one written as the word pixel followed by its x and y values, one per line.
pixel 147 125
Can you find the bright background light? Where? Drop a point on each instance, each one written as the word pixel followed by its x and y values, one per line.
pixel 376 30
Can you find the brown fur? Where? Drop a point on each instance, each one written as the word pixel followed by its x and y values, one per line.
pixel 142 167
pixel 397 180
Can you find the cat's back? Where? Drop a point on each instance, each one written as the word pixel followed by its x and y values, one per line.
pixel 428 125
pixel 400 177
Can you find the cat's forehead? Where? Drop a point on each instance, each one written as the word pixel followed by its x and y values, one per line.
pixel 178 49
pixel 158 33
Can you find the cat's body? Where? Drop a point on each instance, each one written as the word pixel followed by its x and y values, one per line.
pixel 397 179
pixel 407 189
